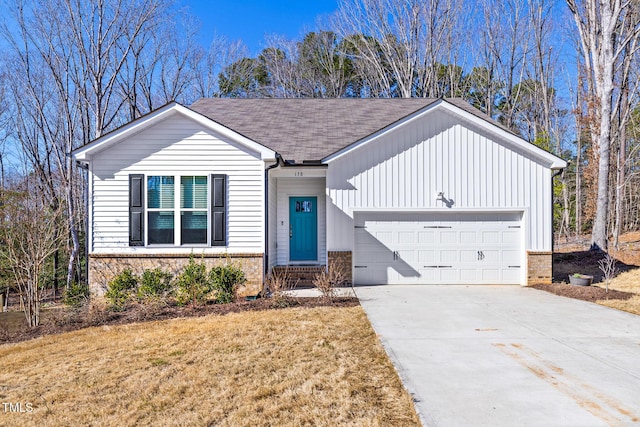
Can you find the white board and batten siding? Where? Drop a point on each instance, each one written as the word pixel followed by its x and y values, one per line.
pixel 176 146
pixel 404 171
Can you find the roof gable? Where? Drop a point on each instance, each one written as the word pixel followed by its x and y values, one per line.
pixel 468 113
pixel 313 129
pixel 85 152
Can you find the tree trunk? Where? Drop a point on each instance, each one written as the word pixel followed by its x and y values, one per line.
pixel 606 30
pixel 621 175
pixel 599 235
pixel 56 263
pixel 73 226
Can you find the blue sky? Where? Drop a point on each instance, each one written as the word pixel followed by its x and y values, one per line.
pixel 251 20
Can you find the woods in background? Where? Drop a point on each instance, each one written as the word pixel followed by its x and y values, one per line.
pixel 561 74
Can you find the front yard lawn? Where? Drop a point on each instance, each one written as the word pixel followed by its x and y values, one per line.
pixel 289 367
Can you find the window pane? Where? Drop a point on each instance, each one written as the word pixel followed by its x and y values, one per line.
pixel 193 192
pixel 161 227
pixel 194 227
pixel 160 192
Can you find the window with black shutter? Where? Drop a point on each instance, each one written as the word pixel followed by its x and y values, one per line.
pixel 136 210
pixel 177 211
pixel 218 210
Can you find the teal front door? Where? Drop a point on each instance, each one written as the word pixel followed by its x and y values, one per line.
pixel 303 228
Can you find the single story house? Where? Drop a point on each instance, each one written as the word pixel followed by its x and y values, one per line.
pixel 394 191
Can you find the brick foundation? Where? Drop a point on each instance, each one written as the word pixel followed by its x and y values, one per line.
pixel 298 275
pixel 539 267
pixel 102 268
pixel 343 260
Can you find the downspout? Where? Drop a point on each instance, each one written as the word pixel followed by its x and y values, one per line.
pixel 558 172
pixel 265 257
pixel 85 167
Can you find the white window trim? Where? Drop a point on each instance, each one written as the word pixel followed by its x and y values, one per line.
pixel 177 223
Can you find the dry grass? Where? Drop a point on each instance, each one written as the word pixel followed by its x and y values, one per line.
pixel 321 366
pixel 628 281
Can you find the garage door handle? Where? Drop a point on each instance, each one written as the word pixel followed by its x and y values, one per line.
pixel 514 266
pixel 437 266
pixel 359 266
pixel 437 226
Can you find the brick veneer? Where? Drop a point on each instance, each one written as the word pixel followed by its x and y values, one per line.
pixel 343 260
pixel 539 267
pixel 298 275
pixel 102 267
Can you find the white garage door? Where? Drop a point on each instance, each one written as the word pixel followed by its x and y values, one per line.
pixel 457 248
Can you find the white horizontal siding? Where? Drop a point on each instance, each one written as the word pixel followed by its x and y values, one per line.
pixel 177 146
pixel 407 168
pixel 299 187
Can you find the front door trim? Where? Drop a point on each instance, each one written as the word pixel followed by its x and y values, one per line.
pixel 303 228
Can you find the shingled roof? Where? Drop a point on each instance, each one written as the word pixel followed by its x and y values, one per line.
pixel 312 129
pixel 307 129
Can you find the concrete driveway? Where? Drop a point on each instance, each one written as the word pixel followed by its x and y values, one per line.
pixel 509 356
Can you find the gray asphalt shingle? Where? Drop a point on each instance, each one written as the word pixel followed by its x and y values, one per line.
pixel 307 129
pixel 312 129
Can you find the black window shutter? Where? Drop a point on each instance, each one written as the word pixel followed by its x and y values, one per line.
pixel 136 210
pixel 218 210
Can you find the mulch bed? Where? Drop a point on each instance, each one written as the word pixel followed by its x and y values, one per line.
pixel 70 320
pixel 585 293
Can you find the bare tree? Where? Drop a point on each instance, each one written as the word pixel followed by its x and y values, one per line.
pixel 284 77
pixel 604 39
pixel 163 66
pixel 67 61
pixel 210 62
pixel 398 46
pixel 29 236
pixel 506 44
pixel 622 113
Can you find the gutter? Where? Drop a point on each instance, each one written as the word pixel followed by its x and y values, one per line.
pixel 265 257
pixel 85 168
pixel 558 172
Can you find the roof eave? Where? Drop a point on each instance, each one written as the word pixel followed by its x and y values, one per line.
pixel 356 144
pixel 85 153
pixel 550 160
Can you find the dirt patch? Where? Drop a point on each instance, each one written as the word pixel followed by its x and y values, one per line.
pixel 573 256
pixel 585 293
pixel 59 320
pixel 583 262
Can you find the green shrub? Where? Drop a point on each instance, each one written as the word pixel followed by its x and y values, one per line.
pixel 76 295
pixel 191 284
pixel 225 280
pixel 120 288
pixel 154 284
